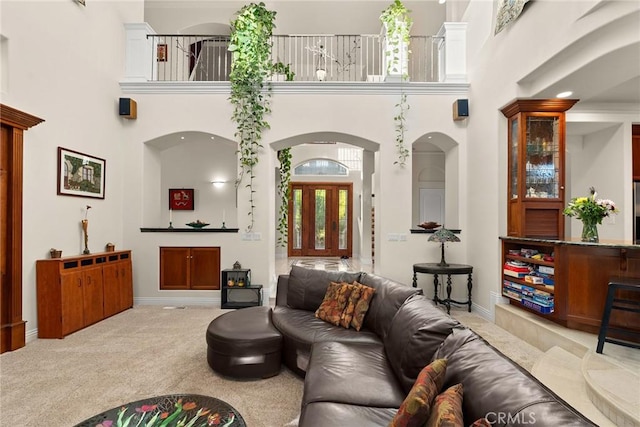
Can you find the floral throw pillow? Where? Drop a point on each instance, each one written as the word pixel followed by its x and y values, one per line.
pixel 334 302
pixel 416 407
pixel 347 314
pixel 447 409
pixel 362 305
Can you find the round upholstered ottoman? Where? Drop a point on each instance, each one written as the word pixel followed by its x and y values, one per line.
pixel 244 344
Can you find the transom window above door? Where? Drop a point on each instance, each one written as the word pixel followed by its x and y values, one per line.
pixel 321 167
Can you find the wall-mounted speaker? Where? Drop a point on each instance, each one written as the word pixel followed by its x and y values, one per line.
pixel 128 108
pixel 460 109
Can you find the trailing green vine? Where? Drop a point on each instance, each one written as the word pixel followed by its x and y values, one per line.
pixel 284 156
pixel 251 46
pixel 397 23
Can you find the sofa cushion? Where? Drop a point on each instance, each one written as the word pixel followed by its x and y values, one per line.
pixel 307 287
pixel 361 306
pixel 334 302
pixel 416 332
pixel 416 407
pixel 447 408
pixel 300 329
pixel 353 373
pixel 323 414
pixel 388 298
pixel 494 385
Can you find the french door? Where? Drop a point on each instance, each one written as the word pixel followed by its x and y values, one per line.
pixel 320 219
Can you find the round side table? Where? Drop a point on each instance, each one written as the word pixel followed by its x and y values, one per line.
pixel 449 270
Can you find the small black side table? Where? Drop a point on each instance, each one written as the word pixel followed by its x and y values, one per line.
pixel 435 269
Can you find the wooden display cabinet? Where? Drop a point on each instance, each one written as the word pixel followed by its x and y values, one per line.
pixel 536 163
pixel 75 292
pixel 189 268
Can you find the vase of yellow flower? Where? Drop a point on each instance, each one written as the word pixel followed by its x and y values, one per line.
pixel 591 211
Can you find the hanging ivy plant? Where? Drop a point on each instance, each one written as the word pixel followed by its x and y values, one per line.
pixel 397 23
pixel 250 43
pixel 284 156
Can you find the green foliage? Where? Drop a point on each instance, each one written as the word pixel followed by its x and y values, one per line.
pixel 398 24
pixel 251 47
pixel 281 68
pixel 283 190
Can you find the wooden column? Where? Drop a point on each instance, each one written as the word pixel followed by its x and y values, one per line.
pixel 12 326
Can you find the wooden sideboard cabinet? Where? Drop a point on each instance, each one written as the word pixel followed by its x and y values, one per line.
pixel 575 283
pixel 78 291
pixel 189 268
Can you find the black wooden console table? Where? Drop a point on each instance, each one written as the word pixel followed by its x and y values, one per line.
pixel 435 269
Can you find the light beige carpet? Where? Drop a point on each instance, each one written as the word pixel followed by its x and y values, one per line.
pixel 143 352
pixel 149 351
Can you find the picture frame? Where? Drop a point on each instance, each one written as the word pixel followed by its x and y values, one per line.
pixel 80 174
pixel 161 52
pixel 181 199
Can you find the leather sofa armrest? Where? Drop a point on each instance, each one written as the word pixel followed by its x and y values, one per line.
pixel 282 289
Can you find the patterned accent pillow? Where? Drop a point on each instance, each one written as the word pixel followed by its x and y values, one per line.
pixel 362 306
pixel 481 422
pixel 349 310
pixel 334 302
pixel 414 410
pixel 447 409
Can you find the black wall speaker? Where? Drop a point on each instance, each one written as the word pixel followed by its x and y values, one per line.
pixel 460 109
pixel 128 108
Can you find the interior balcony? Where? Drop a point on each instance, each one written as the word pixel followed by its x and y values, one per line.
pixel 203 61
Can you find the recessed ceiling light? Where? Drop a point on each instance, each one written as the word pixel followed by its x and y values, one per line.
pixel 442 1
pixel 564 94
pixel 213 137
pixel 182 137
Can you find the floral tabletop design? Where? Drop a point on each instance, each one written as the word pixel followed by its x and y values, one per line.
pixel 176 410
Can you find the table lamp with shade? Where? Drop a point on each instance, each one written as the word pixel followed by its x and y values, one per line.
pixel 443 235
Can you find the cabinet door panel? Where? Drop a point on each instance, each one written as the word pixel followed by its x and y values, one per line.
pixel 126 285
pixel 205 268
pixel 111 289
pixel 174 268
pixel 72 302
pixel 93 291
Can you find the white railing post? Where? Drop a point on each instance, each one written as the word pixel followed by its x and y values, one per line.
pixel 452 53
pixel 139 64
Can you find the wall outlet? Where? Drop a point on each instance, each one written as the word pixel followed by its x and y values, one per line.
pixel 257 235
pixel 402 237
pixel 392 237
pixel 247 236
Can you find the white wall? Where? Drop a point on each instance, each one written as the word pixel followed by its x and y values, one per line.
pixel 63 64
pixel 498 64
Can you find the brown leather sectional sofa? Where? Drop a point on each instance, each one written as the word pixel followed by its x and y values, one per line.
pixel 360 378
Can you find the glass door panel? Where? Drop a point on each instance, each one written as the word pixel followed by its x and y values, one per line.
pixel 343 219
pixel 542 158
pixel 296 215
pixel 320 220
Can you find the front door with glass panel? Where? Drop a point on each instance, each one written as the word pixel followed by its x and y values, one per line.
pixel 320 218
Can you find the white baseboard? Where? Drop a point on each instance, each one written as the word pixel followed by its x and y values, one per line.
pixel 482 312
pixel 176 301
pixel 31 335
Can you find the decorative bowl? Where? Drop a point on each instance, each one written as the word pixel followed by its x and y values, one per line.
pixel 429 225
pixel 197 224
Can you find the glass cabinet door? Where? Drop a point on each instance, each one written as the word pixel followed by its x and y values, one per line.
pixel 542 157
pixel 513 158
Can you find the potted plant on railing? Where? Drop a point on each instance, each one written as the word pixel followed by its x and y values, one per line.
pixel 282 72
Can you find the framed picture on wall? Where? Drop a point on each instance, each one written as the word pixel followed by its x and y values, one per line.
pixel 181 199
pixel 162 52
pixel 80 174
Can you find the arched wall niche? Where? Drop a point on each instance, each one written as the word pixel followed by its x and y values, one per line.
pixel 190 159
pixel 435 182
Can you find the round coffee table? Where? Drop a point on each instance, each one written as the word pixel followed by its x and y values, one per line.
pixel 176 408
